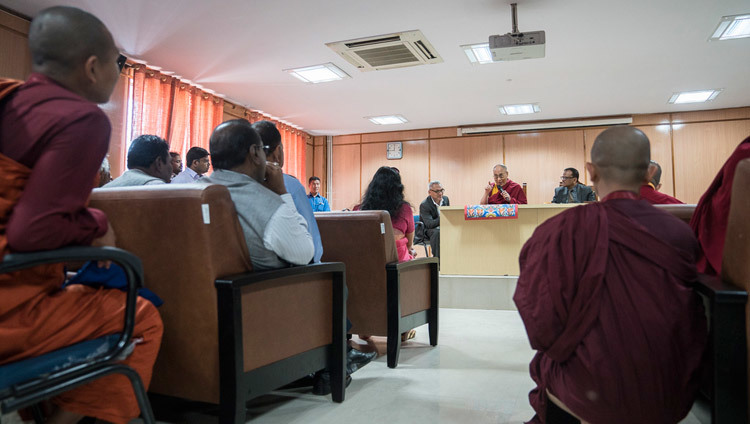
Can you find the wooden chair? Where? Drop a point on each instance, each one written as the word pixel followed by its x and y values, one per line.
pixel 230 334
pixel 386 298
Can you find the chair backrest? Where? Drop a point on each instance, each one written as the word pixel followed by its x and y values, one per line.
pixel 735 266
pixel 683 212
pixel 364 241
pixel 187 236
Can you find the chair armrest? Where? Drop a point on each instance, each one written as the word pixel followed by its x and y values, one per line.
pixel 718 290
pixel 130 263
pixel 241 280
pixel 401 266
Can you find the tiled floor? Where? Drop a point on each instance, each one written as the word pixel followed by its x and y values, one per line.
pixel 477 374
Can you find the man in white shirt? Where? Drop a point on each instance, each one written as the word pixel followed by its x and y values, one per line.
pixel 197 165
pixel 276 235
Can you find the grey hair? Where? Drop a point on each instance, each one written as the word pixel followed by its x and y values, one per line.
pixel 431 183
pixel 502 166
pixel 105 165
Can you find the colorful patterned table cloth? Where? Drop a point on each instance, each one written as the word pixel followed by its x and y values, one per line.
pixel 491 212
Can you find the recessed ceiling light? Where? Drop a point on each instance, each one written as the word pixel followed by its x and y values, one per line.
pixel 387 119
pixel 478 53
pixel 318 73
pixel 520 109
pixel 694 96
pixel 730 27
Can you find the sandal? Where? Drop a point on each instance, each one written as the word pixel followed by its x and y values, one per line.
pixel 408 335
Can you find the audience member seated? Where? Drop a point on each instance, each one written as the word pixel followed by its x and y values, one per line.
pixel 619 334
pixel 274 149
pixel 176 164
pixel 711 214
pixel 650 190
pixel 53 138
pixel 503 190
pixel 275 233
pixel 386 192
pixel 104 174
pixel 572 191
pixel 197 165
pixel 318 202
pixel 148 163
pixel 429 214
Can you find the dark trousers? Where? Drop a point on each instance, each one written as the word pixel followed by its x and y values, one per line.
pixel 434 236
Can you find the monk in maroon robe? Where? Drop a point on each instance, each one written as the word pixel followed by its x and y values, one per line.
pixel 650 190
pixel 502 190
pixel 603 295
pixel 710 217
pixel 53 138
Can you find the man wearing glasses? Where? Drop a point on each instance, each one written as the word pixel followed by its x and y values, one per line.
pixel 429 213
pixel 571 191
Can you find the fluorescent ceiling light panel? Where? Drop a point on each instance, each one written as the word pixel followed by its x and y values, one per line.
pixel 698 96
pixel 478 53
pixel 318 73
pixel 730 27
pixel 387 119
pixel 520 109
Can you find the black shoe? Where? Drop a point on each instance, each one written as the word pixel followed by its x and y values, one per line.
pixel 356 360
pixel 322 385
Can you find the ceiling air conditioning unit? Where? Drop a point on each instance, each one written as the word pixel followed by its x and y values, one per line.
pixel 409 48
pixel 517 45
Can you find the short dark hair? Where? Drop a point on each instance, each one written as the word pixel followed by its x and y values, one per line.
pixel 313 178
pixel 656 179
pixel 269 135
pixel 574 172
pixel 174 154
pixel 230 143
pixel 145 149
pixel 195 153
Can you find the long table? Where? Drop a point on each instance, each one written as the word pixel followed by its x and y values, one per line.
pixel 488 247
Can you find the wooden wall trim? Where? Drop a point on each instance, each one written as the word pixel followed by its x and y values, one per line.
pixel 14 23
pixel 396 136
pixel 712 115
pixel 448 132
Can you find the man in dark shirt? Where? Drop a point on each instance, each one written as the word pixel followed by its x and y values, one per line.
pixel 429 214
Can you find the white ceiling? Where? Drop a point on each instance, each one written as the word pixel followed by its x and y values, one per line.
pixel 603 57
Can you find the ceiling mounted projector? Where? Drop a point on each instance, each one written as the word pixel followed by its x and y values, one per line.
pixel 517 45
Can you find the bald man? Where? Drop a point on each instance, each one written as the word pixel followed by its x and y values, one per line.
pixel 650 189
pixel 53 138
pixel 618 333
pixel 502 190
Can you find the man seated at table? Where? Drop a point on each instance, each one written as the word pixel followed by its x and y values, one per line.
pixel 619 334
pixel 571 191
pixel 53 138
pixel 429 214
pixel 650 189
pixel 148 163
pixel 502 190
pixel 318 202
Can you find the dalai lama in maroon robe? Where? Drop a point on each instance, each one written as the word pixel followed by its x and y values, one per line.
pixel 603 295
pixel 503 190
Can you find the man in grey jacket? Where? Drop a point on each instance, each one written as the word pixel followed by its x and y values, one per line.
pixel 148 163
pixel 276 235
pixel 571 191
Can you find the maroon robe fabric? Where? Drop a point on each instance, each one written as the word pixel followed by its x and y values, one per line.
pixel 619 336
pixel 517 196
pixel 710 217
pixel 649 194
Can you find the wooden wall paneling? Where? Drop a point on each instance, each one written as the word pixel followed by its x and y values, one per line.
pixel 700 149
pixel 414 168
pixel 539 158
pixel 309 162
pixel 395 136
pixel 448 132
pixel 661 151
pixel 712 115
pixel 346 176
pixel 233 111
pixel 14 47
pixel 319 140
pixel 589 135
pixel 651 119
pixel 319 166
pixel 347 139
pixel 464 165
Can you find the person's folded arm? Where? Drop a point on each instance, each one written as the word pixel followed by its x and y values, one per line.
pixel 287 234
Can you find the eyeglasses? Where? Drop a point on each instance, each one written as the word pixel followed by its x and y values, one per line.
pixel 121 59
pixel 566 178
pixel 442 190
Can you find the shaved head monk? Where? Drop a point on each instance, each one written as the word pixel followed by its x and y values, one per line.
pixel 53 138
pixel 650 188
pixel 619 335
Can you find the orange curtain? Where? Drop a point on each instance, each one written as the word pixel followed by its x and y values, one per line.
pixel 152 102
pixel 293 141
pixel 195 114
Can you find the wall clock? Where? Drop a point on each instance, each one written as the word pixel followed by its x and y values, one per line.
pixel 394 150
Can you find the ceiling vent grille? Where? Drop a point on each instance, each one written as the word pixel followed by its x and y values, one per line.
pixel 389 51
